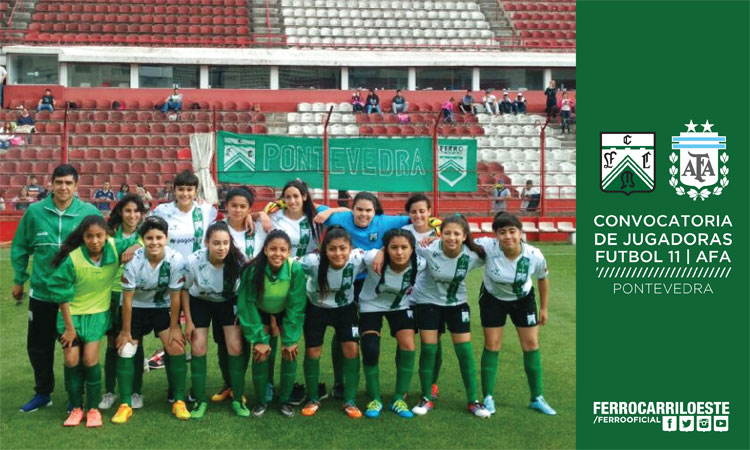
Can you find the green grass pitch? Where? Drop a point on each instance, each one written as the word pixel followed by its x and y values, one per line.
pixel 447 426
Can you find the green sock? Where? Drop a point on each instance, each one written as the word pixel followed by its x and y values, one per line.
pixel 350 369
pixel 138 361
pixel 438 361
pixel 93 385
pixel 489 371
pixel 337 356
pixel 125 377
pixel 74 386
pixel 274 343
pixel 404 372
pixel 372 381
pixel 398 355
pixel 110 369
pixel 468 369
pixel 532 362
pixel 288 375
pixel 260 380
pixel 198 370
pixel 247 353
pixel 311 368
pixel 178 368
pixel 236 368
pixel 170 375
pixel 426 368
pixel 223 363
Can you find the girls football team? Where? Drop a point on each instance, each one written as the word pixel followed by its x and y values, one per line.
pixel 291 270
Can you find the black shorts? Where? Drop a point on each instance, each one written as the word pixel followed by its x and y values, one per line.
pixel 494 312
pixel 145 320
pixel 436 317
pixel 115 318
pixel 344 320
pixel 397 320
pixel 358 284
pixel 265 318
pixel 203 312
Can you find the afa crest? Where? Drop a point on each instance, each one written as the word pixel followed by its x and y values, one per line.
pixel 699 163
pixel 626 162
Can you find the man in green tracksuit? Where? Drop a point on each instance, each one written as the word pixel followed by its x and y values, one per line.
pixel 44 227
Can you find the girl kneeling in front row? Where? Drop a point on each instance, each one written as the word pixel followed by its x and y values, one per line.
pixel 86 268
pixel 273 286
pixel 507 290
pixel 151 285
pixel 210 295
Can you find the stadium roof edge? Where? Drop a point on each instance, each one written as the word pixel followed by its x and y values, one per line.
pixel 313 57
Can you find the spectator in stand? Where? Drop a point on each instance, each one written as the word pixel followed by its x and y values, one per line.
pixel 373 102
pixel 222 195
pixel 23 200
pixel 173 102
pixel 499 194
pixel 490 102
pixel 45 192
pixel 358 105
pixel 3 75
pixel 551 93
pixel 166 194
pixel 144 195
pixel 447 108
pixel 2 200
pixel 124 190
pixel 25 123
pixel 6 134
pixel 566 108
pixel 399 103
pixel 33 187
pixel 467 105
pixel 519 105
pixel 47 102
pixel 506 106
pixel 104 196
pixel 529 197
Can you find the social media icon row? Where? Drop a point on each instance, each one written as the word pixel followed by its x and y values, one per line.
pixel 693 423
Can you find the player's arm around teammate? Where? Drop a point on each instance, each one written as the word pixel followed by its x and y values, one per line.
pixel 85 268
pixel 273 287
pixel 440 294
pixel 507 290
pixel 123 222
pixel 210 295
pixel 330 294
pixel 151 285
pixel 386 295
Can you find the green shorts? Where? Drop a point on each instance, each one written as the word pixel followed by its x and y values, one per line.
pixel 89 327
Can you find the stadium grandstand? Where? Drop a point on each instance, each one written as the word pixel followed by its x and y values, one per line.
pixel 288 68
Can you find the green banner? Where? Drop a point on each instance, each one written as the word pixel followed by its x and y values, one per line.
pixel 383 165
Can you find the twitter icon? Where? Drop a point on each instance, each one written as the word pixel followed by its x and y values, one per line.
pixel 687 423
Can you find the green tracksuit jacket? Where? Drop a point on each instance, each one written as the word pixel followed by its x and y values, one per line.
pixel 41 232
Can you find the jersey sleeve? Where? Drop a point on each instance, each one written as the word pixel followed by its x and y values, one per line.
pixel 339 218
pixel 322 208
pixel 358 260
pixel 485 242
pixel 421 263
pixel 159 211
pixel 122 244
pixel 129 274
pixel 295 307
pixel 61 283
pixel 476 261
pixel 310 263
pixel 247 311
pixel 211 212
pixel 541 271
pixel 178 270
pixel 369 256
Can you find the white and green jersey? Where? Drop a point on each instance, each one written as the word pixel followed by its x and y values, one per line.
pixel 153 284
pixel 250 244
pixel 507 279
pixel 389 292
pixel 340 281
pixel 205 281
pixel 444 280
pixel 187 230
pixel 417 235
pixel 299 231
